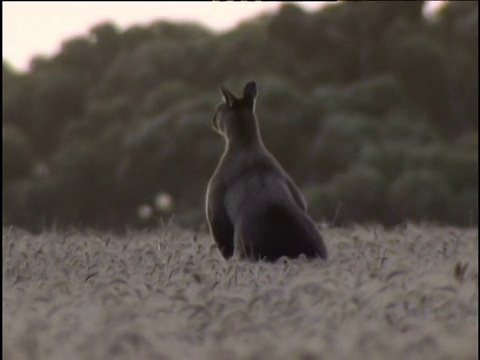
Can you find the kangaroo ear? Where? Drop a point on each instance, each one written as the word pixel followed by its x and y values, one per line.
pixel 250 92
pixel 228 97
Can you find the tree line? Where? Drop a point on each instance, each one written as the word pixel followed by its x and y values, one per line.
pixel 371 107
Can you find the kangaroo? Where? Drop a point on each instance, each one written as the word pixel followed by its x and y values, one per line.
pixel 254 209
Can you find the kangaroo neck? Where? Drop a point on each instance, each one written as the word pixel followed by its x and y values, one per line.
pixel 241 143
pixel 244 134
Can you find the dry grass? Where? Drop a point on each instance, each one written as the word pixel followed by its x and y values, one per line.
pixel 410 293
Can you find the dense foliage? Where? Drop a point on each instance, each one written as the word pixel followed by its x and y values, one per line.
pixel 370 106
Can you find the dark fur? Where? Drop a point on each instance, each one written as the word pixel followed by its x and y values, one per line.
pixel 254 209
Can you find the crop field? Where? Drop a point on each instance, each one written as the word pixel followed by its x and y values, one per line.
pixel 405 293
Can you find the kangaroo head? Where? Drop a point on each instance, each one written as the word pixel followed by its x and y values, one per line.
pixel 235 117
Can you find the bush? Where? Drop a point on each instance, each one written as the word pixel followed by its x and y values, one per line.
pixel 376 96
pixel 339 143
pixel 164 96
pixel 183 137
pixel 18 158
pixel 322 202
pixel 393 158
pixel 360 193
pixel 418 195
pixel 467 142
pixel 463 208
pixel 355 195
pixel 461 169
pixel 15 205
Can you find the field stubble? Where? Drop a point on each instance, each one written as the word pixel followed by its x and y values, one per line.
pixel 406 293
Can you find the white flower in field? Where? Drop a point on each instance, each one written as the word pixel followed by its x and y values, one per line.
pixel 145 212
pixel 42 170
pixel 163 201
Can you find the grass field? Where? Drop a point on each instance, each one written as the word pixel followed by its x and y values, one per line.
pixel 407 293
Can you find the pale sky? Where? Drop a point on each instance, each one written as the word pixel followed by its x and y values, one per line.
pixel 39 27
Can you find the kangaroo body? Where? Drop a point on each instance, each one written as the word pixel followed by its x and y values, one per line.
pixel 254 209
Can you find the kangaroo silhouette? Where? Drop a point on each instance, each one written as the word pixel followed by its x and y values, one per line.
pixel 254 209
